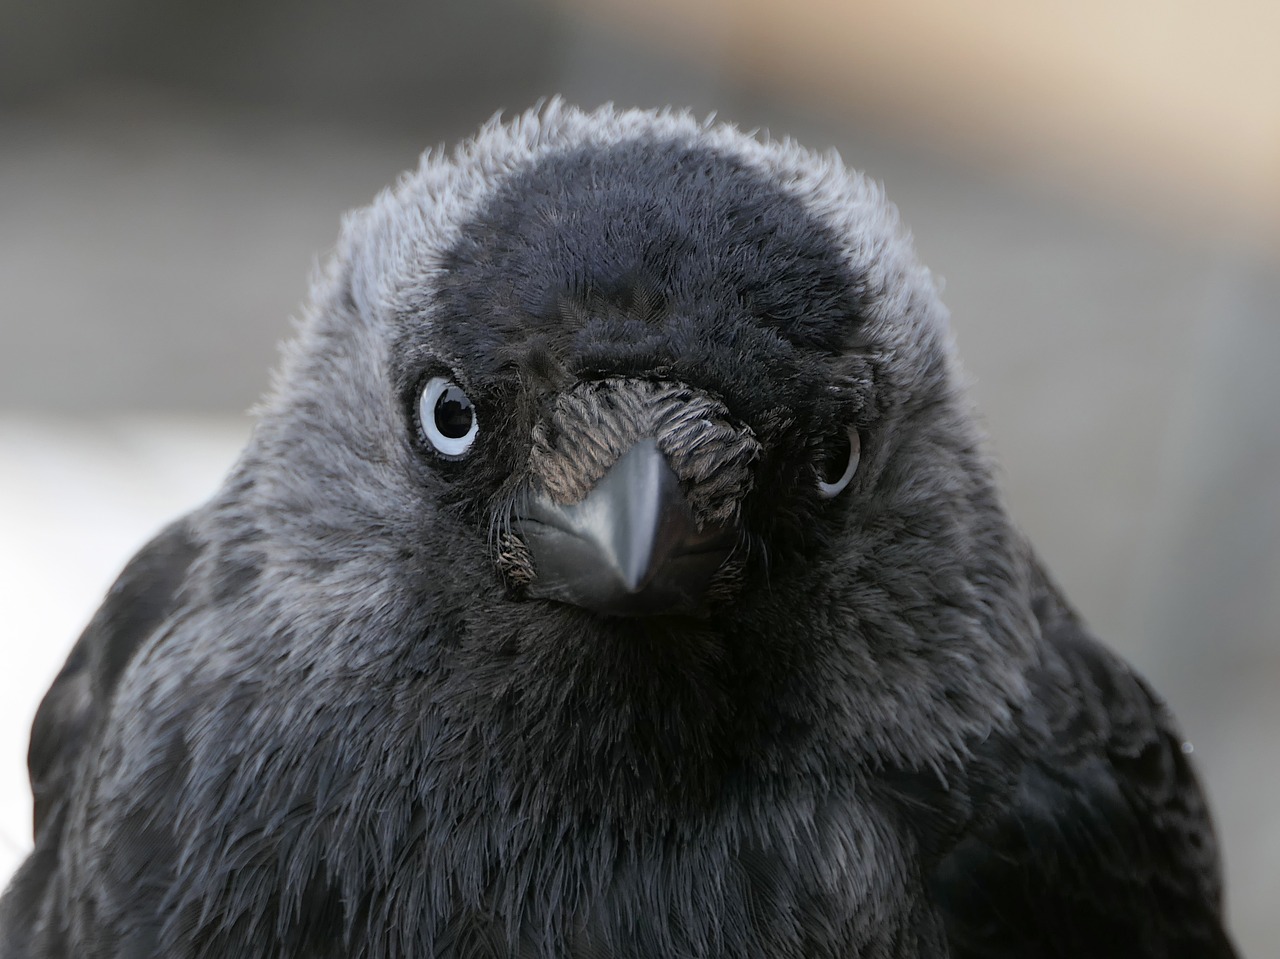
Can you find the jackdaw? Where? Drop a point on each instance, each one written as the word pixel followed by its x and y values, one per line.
pixel 615 572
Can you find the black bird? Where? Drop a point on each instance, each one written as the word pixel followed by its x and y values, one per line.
pixel 615 571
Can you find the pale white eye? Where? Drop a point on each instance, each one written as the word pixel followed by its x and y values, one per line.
pixel 836 469
pixel 448 419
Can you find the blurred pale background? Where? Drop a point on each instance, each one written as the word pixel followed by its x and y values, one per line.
pixel 1098 184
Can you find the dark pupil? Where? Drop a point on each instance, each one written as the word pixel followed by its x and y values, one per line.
pixel 834 459
pixel 453 413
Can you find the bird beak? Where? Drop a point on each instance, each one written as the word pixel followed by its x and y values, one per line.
pixel 630 548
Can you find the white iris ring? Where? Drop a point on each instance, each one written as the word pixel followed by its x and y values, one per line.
pixel 830 490
pixel 436 387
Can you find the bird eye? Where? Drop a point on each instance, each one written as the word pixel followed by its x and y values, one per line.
pixel 448 419
pixel 837 467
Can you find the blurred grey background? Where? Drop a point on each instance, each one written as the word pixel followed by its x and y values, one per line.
pixel 1098 187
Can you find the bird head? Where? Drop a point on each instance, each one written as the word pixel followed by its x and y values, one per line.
pixel 639 369
pixel 622 394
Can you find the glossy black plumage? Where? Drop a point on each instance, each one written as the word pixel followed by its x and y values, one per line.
pixel 1084 835
pixel 332 713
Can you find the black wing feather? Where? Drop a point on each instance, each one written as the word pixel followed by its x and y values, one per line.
pixel 1086 834
pixel 141 598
